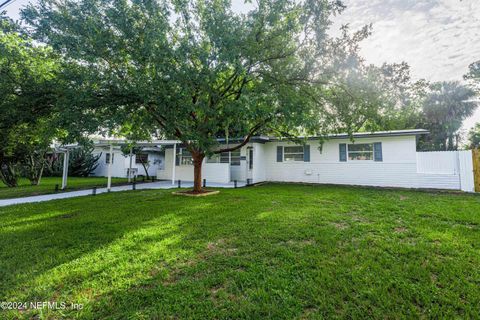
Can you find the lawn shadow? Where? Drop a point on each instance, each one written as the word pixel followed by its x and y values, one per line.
pixel 56 235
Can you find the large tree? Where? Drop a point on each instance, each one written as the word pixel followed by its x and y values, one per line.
pixel 27 90
pixel 439 107
pixel 195 70
pixel 445 108
pixel 474 136
pixel 473 75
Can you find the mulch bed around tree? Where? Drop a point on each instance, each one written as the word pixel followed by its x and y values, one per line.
pixel 191 193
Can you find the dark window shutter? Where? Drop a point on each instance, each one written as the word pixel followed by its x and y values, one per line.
pixel 377 151
pixel 279 153
pixel 177 158
pixel 306 153
pixel 343 152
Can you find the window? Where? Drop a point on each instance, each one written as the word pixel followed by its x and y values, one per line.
pixel 293 153
pixel 232 157
pixel 225 157
pixel 185 158
pixel 235 158
pixel 362 151
pixel 141 158
pixel 107 158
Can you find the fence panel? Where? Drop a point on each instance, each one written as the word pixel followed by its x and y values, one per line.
pixel 437 162
pixel 465 165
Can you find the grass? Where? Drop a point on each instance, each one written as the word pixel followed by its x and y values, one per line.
pixel 47 186
pixel 273 251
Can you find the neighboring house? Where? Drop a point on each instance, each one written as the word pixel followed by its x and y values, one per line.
pixel 386 159
pixel 121 163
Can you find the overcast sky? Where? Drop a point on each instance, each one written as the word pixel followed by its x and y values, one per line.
pixel 437 38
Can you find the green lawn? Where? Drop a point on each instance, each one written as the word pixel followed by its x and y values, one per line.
pixel 273 251
pixel 47 186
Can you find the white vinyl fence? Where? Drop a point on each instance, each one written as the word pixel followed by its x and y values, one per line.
pixel 446 170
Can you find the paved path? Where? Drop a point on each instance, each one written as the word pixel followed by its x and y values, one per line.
pixel 81 193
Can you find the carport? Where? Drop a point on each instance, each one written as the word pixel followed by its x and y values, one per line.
pixel 108 145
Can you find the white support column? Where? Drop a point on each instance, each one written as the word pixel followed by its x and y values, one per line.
pixel 66 156
pixel 174 162
pixel 109 167
pixel 130 167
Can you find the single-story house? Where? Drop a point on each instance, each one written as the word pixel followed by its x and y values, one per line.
pixel 385 159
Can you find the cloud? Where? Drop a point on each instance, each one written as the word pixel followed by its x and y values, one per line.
pixel 437 38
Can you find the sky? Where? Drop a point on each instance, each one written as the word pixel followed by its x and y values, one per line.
pixel 437 38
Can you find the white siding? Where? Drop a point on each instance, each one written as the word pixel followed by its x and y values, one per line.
pixel 401 166
pixel 259 171
pixel 121 163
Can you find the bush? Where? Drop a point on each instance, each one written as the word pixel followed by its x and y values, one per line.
pixel 81 163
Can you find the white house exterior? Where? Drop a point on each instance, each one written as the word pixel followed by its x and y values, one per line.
pixel 385 159
pixel 121 163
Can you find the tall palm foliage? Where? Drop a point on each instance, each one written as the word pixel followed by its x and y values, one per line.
pixel 444 109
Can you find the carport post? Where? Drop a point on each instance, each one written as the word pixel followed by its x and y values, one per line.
pixel 130 166
pixel 65 169
pixel 109 167
pixel 173 163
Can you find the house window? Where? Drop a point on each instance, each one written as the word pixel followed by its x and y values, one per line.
pixel 232 157
pixel 107 158
pixel 141 158
pixel 293 153
pixel 225 157
pixel 235 157
pixel 186 158
pixel 362 151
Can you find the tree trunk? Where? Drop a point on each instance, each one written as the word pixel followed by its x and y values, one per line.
pixel 146 170
pixel 9 174
pixel 197 171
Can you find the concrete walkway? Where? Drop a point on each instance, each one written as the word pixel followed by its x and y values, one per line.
pixel 87 192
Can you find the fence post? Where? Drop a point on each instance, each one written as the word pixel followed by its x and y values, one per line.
pixel 476 169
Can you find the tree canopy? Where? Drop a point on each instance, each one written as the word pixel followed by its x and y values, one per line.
pixel 27 87
pixel 444 109
pixel 196 70
pixel 474 136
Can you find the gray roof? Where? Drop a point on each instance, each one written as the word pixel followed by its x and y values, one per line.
pixel 391 133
